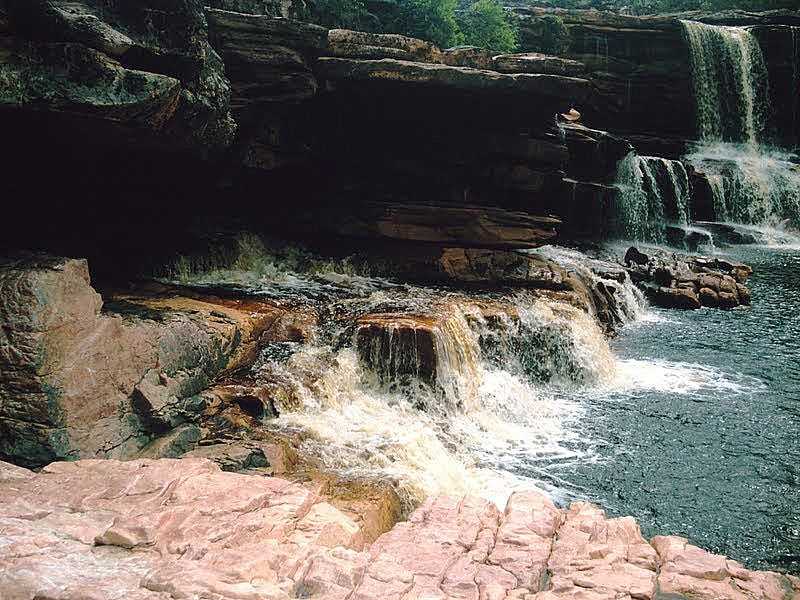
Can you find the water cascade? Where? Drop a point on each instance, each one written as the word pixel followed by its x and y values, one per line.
pixel 437 391
pixel 654 192
pixel 759 188
pixel 730 80
pixel 750 183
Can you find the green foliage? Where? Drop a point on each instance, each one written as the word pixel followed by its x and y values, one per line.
pixel 554 38
pixel 432 20
pixel 347 14
pixel 487 25
pixel 668 6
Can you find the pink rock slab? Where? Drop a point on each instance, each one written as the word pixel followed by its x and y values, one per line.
pixel 183 529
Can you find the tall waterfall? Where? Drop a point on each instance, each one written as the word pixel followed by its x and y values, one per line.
pixel 750 182
pixel 730 78
pixel 653 192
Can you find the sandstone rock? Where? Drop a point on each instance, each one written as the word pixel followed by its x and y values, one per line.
pixel 708 297
pixel 568 89
pixel 149 530
pixel 266 58
pixel 247 31
pixel 670 297
pixel 75 80
pixel 173 444
pixel 159 46
pixel 468 56
pixel 433 348
pixel 464 225
pixel 290 9
pixel 535 62
pixel 233 457
pixel 358 44
pixel 677 281
pixel 75 381
pixel 474 265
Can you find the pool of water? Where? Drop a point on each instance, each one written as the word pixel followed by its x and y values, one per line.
pixel 699 435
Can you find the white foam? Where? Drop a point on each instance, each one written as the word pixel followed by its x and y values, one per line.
pixel 677 378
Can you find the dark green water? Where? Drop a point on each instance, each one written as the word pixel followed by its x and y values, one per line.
pixel 706 444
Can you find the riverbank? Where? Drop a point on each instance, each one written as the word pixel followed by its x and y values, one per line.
pixel 151 530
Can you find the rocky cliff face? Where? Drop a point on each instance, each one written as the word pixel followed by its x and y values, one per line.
pixel 640 69
pixel 81 380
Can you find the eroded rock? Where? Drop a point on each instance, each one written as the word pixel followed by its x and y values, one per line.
pixel 345 43
pixel 79 381
pixel 149 530
pixel 689 282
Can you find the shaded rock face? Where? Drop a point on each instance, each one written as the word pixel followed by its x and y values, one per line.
pixel 676 281
pixel 78 382
pixel 640 69
pixel 207 533
pixel 168 78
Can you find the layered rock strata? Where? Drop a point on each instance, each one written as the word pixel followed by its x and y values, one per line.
pixel 183 528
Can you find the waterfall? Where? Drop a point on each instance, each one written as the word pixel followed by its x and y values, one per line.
pixel 795 84
pixel 750 183
pixel 729 77
pixel 759 188
pixel 653 192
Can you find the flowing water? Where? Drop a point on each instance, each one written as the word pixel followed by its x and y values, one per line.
pixel 687 420
pixel 729 76
pixel 699 433
pixel 653 192
pixel 751 187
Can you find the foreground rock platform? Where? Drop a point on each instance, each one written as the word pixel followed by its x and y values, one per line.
pixel 174 529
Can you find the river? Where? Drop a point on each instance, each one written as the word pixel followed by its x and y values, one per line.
pixel 700 436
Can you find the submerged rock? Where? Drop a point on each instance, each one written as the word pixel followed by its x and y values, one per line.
pixel 183 528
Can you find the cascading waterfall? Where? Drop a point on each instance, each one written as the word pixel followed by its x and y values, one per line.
pixel 494 389
pixel 750 183
pixel 795 92
pixel 653 192
pixel 437 391
pixel 761 188
pixel 729 77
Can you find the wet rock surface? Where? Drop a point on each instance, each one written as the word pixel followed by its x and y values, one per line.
pixel 181 528
pixel 689 282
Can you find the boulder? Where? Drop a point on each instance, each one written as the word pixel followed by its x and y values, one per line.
pixel 678 281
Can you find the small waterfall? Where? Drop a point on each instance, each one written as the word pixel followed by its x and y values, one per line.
pixel 759 188
pixel 653 192
pixel 795 83
pixel 439 350
pixel 730 78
